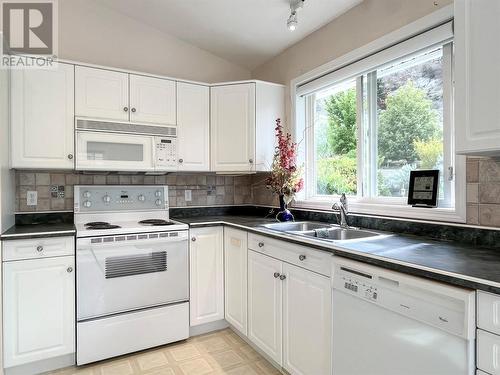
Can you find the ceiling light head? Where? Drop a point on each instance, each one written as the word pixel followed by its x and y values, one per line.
pixel 292 22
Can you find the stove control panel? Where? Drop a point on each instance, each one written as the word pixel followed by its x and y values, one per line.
pixel 104 198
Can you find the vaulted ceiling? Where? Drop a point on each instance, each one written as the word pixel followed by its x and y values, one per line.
pixel 245 32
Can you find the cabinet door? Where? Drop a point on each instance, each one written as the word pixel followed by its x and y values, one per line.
pixel 101 93
pixel 42 115
pixel 193 127
pixel 152 100
pixel 39 309
pixel 265 304
pixel 235 280
pixel 206 275
pixel 233 128
pixel 270 105
pixel 307 322
pixel 477 76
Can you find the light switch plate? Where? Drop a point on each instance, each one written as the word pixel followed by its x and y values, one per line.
pixel 31 198
pixel 187 195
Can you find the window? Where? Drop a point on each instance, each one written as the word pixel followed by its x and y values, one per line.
pixel 335 138
pixel 368 124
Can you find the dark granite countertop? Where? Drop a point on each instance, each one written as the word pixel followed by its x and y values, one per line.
pixel 463 265
pixel 23 231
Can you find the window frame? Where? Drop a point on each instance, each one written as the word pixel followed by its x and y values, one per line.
pixel 380 206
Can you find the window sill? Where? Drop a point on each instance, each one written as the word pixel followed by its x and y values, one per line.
pixel 453 215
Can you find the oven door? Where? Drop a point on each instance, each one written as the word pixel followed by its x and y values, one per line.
pixel 114 151
pixel 129 272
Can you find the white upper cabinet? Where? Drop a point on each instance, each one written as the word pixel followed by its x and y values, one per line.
pixel 242 127
pixel 307 310
pixel 206 259
pixel 101 93
pixel 233 128
pixel 235 278
pixel 38 309
pixel 193 127
pixel 152 100
pixel 113 95
pixel 270 105
pixel 42 110
pixel 477 77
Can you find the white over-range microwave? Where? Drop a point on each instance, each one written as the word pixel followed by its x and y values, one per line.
pixel 114 146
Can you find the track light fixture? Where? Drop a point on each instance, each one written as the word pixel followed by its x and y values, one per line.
pixel 292 21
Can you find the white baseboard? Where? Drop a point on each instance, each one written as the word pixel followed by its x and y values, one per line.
pixel 207 327
pixel 42 366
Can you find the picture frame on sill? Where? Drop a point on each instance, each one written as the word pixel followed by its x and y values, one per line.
pixel 423 188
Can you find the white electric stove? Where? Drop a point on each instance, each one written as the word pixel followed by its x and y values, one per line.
pixel 132 271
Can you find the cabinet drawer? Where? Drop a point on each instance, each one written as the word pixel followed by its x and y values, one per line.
pixel 488 352
pixel 38 248
pixel 314 260
pixel 488 311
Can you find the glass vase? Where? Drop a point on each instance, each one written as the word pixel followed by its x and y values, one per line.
pixel 284 213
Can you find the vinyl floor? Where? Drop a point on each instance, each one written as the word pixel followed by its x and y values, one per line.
pixel 221 352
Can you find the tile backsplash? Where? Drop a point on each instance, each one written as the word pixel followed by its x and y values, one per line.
pixel 207 189
pixel 483 191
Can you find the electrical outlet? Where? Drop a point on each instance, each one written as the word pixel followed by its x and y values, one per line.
pixel 31 198
pixel 187 195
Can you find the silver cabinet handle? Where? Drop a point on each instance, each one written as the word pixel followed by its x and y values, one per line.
pixel 181 160
pixel 302 257
pixel 125 109
pixel 39 248
pixel 276 275
pixel 70 156
pixel 133 110
pixel 250 161
pixel 193 239
pixel 282 277
pixel 261 244
pixel 69 269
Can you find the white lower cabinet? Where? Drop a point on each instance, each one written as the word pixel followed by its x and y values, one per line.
pixel 488 352
pixel 307 322
pixel 289 314
pixel 235 278
pixel 38 309
pixel 206 256
pixel 265 304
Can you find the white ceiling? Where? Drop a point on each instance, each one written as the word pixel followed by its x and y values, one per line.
pixel 245 32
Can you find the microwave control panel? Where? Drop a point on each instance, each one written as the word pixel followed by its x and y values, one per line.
pixel 166 152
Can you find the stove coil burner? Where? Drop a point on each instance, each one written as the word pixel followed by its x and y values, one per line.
pixel 155 222
pixel 92 223
pixel 101 225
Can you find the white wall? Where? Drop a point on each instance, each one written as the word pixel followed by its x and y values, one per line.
pixel 7 185
pixel 359 26
pixel 92 33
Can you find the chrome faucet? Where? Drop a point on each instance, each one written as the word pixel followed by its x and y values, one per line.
pixel 342 208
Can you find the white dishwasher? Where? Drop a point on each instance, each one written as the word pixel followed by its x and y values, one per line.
pixel 389 323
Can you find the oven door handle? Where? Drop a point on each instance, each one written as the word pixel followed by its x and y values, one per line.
pixel 138 243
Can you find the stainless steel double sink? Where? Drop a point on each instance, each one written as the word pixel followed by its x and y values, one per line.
pixel 321 231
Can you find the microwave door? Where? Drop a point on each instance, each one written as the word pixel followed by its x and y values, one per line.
pixel 97 151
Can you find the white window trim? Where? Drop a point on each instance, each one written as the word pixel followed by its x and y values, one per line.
pixel 383 207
